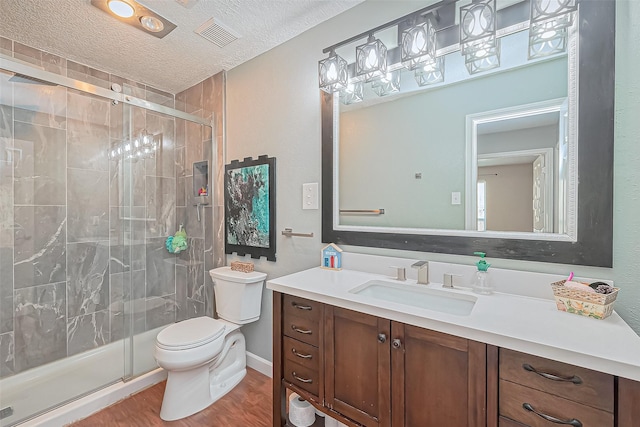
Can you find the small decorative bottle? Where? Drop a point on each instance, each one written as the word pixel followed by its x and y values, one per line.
pixel 482 284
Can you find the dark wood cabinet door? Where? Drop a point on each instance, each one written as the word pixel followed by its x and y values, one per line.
pixel 438 379
pixel 358 366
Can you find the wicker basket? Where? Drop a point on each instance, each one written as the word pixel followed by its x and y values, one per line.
pixel 591 304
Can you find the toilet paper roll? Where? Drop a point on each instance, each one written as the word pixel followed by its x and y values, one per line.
pixel 301 412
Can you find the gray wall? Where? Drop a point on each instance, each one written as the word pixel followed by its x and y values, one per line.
pixel 274 108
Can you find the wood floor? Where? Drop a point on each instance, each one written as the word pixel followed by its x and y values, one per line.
pixel 247 405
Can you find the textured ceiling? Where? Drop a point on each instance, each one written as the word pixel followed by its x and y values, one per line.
pixel 83 33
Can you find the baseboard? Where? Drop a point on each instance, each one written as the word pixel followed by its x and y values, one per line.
pixel 259 364
pixel 95 402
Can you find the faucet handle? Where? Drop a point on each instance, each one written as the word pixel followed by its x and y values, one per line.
pixel 449 279
pixel 401 272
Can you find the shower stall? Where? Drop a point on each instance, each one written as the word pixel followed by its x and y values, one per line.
pixel 95 174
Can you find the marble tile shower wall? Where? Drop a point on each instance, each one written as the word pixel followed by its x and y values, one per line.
pixel 79 240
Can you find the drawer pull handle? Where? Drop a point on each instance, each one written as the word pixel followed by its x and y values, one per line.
pixel 572 422
pixel 308 380
pixel 396 343
pixel 304 356
pixel 301 307
pixel 302 331
pixel 382 338
pixel 574 379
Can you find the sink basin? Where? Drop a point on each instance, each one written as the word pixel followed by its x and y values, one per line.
pixel 417 296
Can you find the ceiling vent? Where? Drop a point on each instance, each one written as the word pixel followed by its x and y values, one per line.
pixel 217 33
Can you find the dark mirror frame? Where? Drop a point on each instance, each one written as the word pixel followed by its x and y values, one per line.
pixel 594 246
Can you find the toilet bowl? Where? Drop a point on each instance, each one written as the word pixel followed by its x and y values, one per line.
pixel 205 357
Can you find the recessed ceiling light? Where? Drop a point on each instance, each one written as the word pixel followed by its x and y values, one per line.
pixel 151 23
pixel 132 13
pixel 121 8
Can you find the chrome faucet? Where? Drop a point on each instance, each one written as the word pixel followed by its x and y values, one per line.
pixel 423 271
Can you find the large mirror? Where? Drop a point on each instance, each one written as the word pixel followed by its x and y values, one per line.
pixel 516 162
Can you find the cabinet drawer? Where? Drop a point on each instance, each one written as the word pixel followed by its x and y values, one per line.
pixel 303 376
pixel 301 353
pixel 301 328
pixel 301 307
pixel 571 382
pixel 514 396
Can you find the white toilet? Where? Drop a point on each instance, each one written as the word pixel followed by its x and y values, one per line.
pixel 205 358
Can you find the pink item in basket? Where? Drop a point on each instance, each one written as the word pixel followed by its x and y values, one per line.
pixel 579 285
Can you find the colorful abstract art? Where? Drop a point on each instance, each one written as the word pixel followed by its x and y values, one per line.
pixel 249 198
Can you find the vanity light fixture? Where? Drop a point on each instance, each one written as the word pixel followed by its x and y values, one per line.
pixel 430 73
pixel 484 58
pixel 142 147
pixel 371 59
pixel 477 26
pixel 332 73
pixel 388 84
pixel 133 13
pixel 549 22
pixel 418 44
pixel 478 42
pixel 353 93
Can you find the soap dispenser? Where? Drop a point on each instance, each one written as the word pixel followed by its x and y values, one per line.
pixel 482 284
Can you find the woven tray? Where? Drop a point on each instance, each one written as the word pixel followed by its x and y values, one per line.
pixel 559 290
pixel 245 267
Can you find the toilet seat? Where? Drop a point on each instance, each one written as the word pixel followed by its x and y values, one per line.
pixel 190 333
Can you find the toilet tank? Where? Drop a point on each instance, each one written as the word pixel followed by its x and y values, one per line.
pixel 238 294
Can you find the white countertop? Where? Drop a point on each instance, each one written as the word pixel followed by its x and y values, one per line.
pixel 521 323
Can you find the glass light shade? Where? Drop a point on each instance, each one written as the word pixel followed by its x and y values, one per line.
pixel 353 93
pixel 546 39
pixel 485 58
pixel 430 73
pixel 371 60
pixel 121 8
pixel 332 73
pixel 477 25
pixel 152 24
pixel 388 84
pixel 560 11
pixel 418 45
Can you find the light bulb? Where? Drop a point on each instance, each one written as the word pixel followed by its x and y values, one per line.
pixel 121 8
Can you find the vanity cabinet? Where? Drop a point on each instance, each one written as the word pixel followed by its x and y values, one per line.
pixel 301 338
pixel 540 392
pixel 437 379
pixel 357 366
pixel 377 372
pixel 368 371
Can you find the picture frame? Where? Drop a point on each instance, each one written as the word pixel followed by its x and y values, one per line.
pixel 249 206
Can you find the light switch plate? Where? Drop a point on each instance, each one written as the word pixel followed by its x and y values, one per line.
pixel 455 198
pixel 310 195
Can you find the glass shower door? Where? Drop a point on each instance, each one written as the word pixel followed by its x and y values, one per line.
pixel 58 333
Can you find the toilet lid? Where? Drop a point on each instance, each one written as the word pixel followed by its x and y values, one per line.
pixel 191 333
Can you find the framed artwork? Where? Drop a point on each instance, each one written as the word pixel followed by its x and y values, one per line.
pixel 249 205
